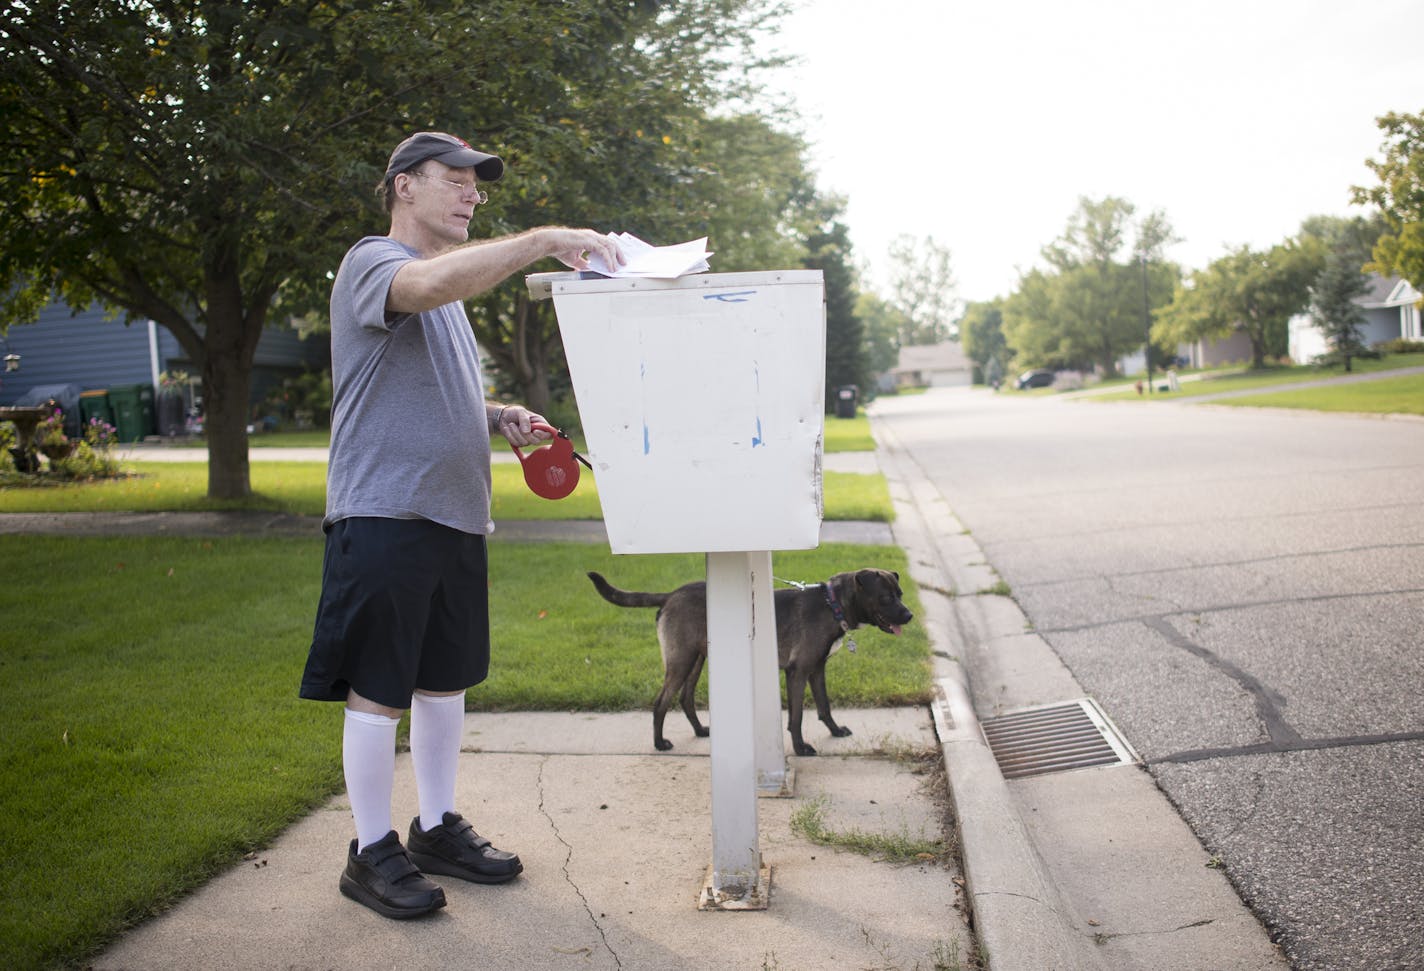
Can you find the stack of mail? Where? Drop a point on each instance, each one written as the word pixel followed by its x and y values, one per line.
pixel 657 262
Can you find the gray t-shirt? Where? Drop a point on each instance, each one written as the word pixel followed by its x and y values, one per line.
pixel 409 437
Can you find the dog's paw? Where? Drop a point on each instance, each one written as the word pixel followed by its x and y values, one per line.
pixel 802 748
pixel 840 731
pixel 661 744
pixel 702 732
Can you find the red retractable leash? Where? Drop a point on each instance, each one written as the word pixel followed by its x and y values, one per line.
pixel 551 470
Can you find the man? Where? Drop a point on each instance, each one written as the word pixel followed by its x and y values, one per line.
pixel 403 618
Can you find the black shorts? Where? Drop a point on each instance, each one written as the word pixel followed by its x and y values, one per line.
pixel 404 605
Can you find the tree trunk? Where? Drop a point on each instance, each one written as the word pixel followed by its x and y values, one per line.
pixel 229 347
pixel 226 384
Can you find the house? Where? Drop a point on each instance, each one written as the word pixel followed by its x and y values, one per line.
pixel 1391 312
pixel 92 350
pixel 942 365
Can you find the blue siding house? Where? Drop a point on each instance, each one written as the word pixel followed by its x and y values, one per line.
pixel 97 352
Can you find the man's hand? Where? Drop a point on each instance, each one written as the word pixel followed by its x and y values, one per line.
pixel 515 424
pixel 574 252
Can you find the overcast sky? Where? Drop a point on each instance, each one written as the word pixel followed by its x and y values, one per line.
pixel 981 124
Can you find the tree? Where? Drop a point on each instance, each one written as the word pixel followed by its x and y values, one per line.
pixel 623 149
pixel 1332 304
pixel 1104 273
pixel 1399 198
pixel 1257 292
pixel 1350 237
pixel 981 331
pixel 882 325
pixel 680 163
pixel 1104 287
pixel 846 357
pixel 206 164
pixel 923 290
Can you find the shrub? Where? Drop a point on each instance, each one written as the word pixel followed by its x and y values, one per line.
pixel 86 462
pixel 1401 345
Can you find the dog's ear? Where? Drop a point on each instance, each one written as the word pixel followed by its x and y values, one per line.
pixel 896 575
pixel 862 577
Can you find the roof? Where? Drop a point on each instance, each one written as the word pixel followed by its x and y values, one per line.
pixel 945 356
pixel 1388 291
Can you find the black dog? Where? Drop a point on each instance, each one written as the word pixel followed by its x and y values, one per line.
pixel 809 622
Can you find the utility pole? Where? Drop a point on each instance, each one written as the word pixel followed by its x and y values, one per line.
pixel 1146 322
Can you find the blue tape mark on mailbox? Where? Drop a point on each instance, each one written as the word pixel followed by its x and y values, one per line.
pixel 741 296
pixel 756 380
pixel 643 380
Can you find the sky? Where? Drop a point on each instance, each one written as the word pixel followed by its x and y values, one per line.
pixel 982 124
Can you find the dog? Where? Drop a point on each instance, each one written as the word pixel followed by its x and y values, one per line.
pixel 809 622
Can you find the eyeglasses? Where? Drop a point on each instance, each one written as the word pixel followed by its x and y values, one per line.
pixel 464 188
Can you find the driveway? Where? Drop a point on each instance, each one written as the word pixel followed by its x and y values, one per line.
pixel 1243 593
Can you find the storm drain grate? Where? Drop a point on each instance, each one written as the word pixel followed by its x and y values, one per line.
pixel 1055 738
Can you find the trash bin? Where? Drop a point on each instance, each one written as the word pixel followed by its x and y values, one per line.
pixel 845 401
pixel 133 411
pixel 95 404
pixel 172 414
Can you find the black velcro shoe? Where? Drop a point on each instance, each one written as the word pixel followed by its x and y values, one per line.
pixel 454 849
pixel 383 878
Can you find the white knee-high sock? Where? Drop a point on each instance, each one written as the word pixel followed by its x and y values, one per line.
pixel 437 726
pixel 368 755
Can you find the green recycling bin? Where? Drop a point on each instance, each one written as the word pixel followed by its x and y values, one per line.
pixel 133 411
pixel 95 404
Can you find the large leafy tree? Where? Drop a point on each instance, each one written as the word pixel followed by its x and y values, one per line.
pixel 636 141
pixel 206 164
pixel 923 290
pixel 1399 196
pixel 1092 303
pixel 1254 291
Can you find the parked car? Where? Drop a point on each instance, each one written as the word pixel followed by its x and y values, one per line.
pixel 1036 378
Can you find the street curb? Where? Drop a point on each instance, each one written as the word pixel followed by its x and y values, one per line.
pixel 1019 914
pixel 1018 911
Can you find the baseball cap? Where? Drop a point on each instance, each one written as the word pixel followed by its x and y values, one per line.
pixel 452 151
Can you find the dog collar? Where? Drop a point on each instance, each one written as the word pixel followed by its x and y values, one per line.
pixel 835 605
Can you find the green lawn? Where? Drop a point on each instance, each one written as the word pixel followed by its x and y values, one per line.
pixel 153 734
pixel 842 435
pixel 1215 382
pixel 1395 396
pixel 300 488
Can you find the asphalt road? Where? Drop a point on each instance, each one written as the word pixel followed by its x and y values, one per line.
pixel 1243 592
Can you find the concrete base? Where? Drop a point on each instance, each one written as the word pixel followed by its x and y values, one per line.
pixel 755 898
pixel 783 788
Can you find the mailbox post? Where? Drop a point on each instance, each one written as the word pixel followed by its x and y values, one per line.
pixel 702 400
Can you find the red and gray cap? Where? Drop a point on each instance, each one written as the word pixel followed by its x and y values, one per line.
pixel 452 151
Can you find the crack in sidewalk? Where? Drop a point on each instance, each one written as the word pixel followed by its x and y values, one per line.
pixel 568 877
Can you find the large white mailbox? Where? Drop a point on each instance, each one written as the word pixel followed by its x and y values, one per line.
pixel 702 401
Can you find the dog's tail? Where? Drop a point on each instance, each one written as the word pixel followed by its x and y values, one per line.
pixel 626 598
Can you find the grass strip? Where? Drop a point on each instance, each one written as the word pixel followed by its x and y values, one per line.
pixel 153 734
pixel 1245 380
pixel 809 822
pixel 1385 396
pixel 841 435
pixel 299 488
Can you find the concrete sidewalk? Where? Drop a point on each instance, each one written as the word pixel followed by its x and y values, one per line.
pixel 615 841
